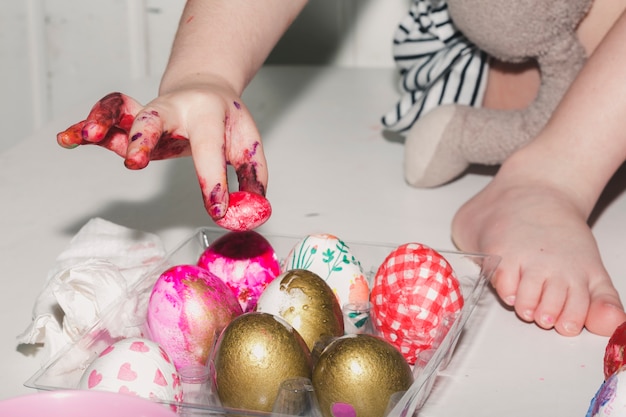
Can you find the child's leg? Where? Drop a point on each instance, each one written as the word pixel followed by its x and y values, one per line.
pixel 534 213
pixel 511 86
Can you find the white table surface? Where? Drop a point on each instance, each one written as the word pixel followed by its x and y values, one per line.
pixel 331 170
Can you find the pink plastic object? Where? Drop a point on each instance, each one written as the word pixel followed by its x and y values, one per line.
pixel 246 211
pixel 82 403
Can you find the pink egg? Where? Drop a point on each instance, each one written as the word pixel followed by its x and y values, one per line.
pixel 246 211
pixel 188 307
pixel 245 261
pixel 414 297
pixel 134 366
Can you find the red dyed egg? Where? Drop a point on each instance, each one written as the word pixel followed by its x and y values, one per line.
pixel 246 211
pixel 614 352
pixel 415 292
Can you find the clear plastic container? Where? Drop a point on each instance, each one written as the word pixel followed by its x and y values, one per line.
pixel 66 369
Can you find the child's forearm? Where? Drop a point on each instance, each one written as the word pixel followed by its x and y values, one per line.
pixel 226 39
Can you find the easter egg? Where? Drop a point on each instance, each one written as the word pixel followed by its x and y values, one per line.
pixel 610 399
pixel 331 259
pixel 614 355
pixel 187 309
pixel 134 366
pixel 415 297
pixel 246 211
pixel 356 375
pixel 306 302
pixel 245 261
pixel 256 352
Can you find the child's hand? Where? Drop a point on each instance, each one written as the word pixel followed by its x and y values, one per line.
pixel 207 121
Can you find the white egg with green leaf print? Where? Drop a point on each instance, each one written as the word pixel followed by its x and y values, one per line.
pixel 330 258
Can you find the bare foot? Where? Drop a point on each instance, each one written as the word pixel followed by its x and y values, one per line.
pixel 551 270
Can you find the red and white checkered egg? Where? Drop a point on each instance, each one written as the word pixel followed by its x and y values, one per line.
pixel 414 291
pixel 134 366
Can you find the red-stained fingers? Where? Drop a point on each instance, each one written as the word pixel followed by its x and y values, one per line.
pixel 232 139
pixel 248 208
pixel 245 150
pixel 206 137
pixel 72 136
pixel 153 137
pixel 115 110
pixel 106 125
pixel 143 137
pixel 217 132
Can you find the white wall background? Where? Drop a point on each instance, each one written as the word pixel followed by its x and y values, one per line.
pixel 56 53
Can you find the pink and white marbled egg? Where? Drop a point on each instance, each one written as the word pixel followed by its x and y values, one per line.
pixel 188 307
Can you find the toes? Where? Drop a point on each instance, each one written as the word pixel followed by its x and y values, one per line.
pixel 572 318
pixel 553 298
pixel 527 300
pixel 605 312
pixel 505 283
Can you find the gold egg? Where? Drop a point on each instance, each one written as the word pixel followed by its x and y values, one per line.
pixel 305 301
pixel 256 352
pixel 362 372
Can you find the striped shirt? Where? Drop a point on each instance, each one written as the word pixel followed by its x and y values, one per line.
pixel 437 64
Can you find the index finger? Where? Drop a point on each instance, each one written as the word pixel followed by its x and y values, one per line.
pixel 245 150
pixel 207 151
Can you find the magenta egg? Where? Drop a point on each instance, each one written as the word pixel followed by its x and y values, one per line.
pixel 188 307
pixel 245 261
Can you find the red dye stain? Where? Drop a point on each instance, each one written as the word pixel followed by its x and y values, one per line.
pixel 213 199
pixel 248 179
pixel 108 109
pixel 140 161
pixel 106 113
pixel 215 193
pixel 126 121
pixel 251 152
pixel 72 136
pixel 170 146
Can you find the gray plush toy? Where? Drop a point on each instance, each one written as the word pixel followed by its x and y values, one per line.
pixel 442 144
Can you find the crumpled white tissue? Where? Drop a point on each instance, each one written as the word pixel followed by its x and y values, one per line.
pixel 101 263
